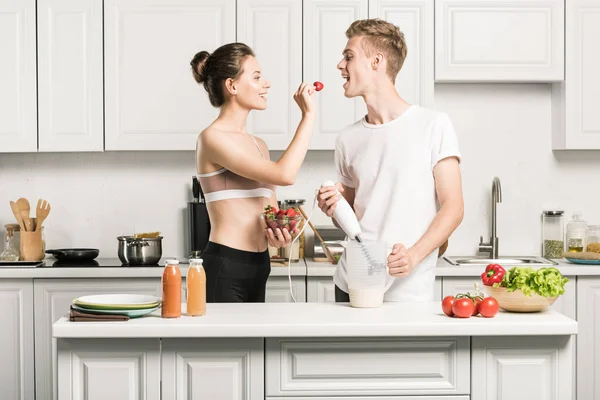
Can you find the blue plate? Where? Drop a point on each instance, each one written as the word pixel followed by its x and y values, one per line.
pixel 129 313
pixel 580 261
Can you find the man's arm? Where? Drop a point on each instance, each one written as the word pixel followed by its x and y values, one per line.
pixel 448 186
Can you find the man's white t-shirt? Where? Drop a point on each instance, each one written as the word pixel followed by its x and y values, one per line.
pixel 390 166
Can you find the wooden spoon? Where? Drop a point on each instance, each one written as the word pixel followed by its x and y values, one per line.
pixel 23 204
pixel 41 212
pixel 17 213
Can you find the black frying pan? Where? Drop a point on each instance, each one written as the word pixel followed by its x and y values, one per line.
pixel 73 255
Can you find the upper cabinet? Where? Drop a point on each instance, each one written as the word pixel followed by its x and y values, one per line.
pixel 152 101
pixel 18 108
pixel 273 28
pixel 576 122
pixel 415 19
pixel 325 24
pixel 499 40
pixel 70 83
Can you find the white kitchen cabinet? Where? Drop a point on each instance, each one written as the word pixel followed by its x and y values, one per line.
pixel 325 23
pixel 278 289
pixel 16 339
pixel 367 367
pixel 521 368
pixel 18 102
pixel 152 101
pixel 70 75
pixel 588 337
pixel 224 369
pixel 565 304
pixel 415 19
pixel 499 40
pixel 576 121
pixel 121 369
pixel 52 300
pixel 320 289
pixel 273 28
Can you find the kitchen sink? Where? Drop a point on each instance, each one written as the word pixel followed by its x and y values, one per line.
pixel 512 261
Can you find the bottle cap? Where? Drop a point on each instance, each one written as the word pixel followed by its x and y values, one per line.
pixel 553 212
pixel 172 261
pixel 195 261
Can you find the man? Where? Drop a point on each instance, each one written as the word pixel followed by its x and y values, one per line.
pixel 398 167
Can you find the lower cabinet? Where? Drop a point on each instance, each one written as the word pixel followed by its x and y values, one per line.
pixel 16 340
pixel 588 338
pixel 52 298
pixel 278 289
pixel 367 367
pixel 224 369
pixel 123 369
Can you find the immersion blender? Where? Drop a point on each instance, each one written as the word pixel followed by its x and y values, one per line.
pixel 345 217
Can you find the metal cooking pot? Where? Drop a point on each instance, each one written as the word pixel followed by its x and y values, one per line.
pixel 140 251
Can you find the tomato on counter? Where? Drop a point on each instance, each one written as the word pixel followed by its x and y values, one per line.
pixel 466 305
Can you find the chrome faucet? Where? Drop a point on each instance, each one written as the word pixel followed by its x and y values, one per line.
pixel 492 246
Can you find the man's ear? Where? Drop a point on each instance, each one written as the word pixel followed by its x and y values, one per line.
pixel 377 61
pixel 231 86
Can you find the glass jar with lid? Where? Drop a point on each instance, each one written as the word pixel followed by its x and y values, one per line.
pixel 576 233
pixel 593 238
pixel 10 252
pixel 553 233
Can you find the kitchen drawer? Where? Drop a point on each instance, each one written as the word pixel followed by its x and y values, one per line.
pixel 367 367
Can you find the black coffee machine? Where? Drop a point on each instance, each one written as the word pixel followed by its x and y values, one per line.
pixel 198 221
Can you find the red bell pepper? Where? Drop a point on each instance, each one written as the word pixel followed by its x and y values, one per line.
pixel 493 274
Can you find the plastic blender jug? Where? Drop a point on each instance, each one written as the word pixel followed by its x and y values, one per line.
pixel 367 273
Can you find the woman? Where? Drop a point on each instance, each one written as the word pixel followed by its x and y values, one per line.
pixel 236 173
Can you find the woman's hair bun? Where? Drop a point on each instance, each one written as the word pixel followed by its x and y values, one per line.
pixel 198 64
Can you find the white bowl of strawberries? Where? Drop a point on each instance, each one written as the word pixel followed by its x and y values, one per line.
pixel 283 219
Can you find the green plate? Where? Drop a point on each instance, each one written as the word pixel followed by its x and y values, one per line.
pixel 129 313
pixel 117 302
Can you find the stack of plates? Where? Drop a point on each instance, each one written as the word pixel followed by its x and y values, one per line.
pixel 132 305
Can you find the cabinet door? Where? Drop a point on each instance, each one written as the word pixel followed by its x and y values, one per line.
pixel 320 289
pixel 223 369
pixel 70 86
pixel 576 122
pixel 278 289
pixel 112 369
pixel 18 102
pixel 52 300
pixel 500 40
pixel 273 28
pixel 588 337
pixel 152 100
pixel 325 23
pixel 16 339
pixel 415 19
pixel 522 368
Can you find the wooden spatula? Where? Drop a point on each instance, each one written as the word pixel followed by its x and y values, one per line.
pixel 17 213
pixel 23 204
pixel 41 212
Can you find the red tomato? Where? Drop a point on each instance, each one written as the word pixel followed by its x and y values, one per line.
pixel 318 86
pixel 447 304
pixel 463 307
pixel 488 307
pixel 476 301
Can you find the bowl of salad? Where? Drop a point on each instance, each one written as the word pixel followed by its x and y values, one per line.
pixel 524 289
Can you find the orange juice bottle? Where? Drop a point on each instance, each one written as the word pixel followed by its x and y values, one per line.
pixel 196 288
pixel 171 290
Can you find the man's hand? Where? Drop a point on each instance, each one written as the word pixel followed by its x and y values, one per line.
pixel 400 261
pixel 328 198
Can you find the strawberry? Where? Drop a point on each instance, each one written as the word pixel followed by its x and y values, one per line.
pixel 291 212
pixel 318 86
pixel 293 224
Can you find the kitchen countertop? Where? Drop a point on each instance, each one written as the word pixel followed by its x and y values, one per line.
pixel 113 268
pixel 245 320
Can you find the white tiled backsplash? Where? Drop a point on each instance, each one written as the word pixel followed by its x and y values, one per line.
pixel 504 130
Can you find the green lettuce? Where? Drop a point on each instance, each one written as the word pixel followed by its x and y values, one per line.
pixel 546 282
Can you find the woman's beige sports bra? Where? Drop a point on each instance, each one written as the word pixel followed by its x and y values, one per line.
pixel 224 184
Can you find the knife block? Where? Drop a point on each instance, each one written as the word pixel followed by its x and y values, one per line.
pixel 32 246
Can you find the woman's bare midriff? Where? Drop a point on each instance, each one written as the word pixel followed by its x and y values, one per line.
pixel 237 223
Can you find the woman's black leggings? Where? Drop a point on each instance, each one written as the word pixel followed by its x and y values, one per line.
pixel 235 276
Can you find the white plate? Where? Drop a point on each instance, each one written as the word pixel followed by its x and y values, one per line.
pixel 117 301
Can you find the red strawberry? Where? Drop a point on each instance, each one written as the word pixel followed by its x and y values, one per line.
pixel 272 225
pixel 291 212
pixel 318 86
pixel 293 224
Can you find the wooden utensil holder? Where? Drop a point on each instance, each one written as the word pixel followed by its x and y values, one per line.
pixel 32 247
